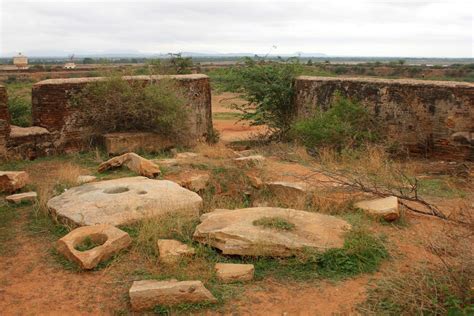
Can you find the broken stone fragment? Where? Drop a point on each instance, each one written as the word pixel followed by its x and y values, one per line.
pixel 288 189
pixel 85 179
pixel 11 181
pixel 172 250
pixel 149 293
pixel 234 231
pixel 109 240
pixel 386 208
pixel 22 197
pixel 255 160
pixel 232 272
pixel 134 162
pixel 194 180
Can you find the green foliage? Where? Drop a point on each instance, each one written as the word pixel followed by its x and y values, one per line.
pixel 20 111
pixel 117 105
pixel 344 124
pixel 268 88
pixel 181 65
pixel 275 223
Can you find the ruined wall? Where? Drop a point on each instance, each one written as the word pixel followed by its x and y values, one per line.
pixel 4 120
pixel 51 109
pixel 432 118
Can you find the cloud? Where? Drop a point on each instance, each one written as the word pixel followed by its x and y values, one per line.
pixel 338 27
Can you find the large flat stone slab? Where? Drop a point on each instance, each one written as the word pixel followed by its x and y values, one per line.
pixel 109 239
pixel 149 293
pixel 234 231
pixel 124 200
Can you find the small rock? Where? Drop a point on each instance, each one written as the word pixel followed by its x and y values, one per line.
pixel 168 162
pixel 172 250
pixel 255 160
pixel 110 238
pixel 230 272
pixel 289 189
pixel 149 293
pixel 386 208
pixel 22 197
pixel 195 182
pixel 85 179
pixel 186 155
pixel 11 181
pixel 134 162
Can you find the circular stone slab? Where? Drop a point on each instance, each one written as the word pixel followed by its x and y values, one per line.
pixel 124 200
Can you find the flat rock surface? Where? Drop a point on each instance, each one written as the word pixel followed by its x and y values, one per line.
pixel 233 231
pixel 149 293
pixel 124 200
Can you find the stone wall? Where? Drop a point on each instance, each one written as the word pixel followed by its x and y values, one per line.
pixel 51 109
pixel 4 120
pixel 432 118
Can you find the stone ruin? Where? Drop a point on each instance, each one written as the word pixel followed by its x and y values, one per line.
pixel 431 118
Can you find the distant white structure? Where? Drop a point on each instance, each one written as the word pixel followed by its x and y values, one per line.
pixel 20 61
pixel 69 65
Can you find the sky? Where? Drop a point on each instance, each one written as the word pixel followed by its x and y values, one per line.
pixel 405 28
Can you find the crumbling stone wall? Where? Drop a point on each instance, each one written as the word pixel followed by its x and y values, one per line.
pixel 51 108
pixel 432 118
pixel 4 120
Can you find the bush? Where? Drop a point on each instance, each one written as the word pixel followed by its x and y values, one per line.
pixel 117 105
pixel 268 88
pixel 345 124
pixel 20 111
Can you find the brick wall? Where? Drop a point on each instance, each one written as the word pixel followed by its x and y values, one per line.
pixel 4 120
pixel 51 110
pixel 425 116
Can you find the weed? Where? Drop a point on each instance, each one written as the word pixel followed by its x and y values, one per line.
pixel 275 223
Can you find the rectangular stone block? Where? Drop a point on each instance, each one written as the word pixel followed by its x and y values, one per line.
pixel 120 143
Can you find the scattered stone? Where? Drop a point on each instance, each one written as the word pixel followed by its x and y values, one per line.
pixel 149 293
pixel 233 232
pixel 386 208
pixel 120 143
pixel 255 181
pixel 134 162
pixel 172 250
pixel 124 200
pixel 22 197
pixel 255 160
pixel 11 181
pixel 193 180
pixel 85 179
pixel 289 189
pixel 186 155
pixel 168 162
pixel 110 241
pixel 230 272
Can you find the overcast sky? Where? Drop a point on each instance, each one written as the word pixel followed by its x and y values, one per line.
pixel 419 28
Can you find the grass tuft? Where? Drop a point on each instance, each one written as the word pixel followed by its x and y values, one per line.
pixel 278 223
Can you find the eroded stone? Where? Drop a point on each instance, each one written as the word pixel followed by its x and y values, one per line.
pixel 11 181
pixel 110 238
pixel 22 197
pixel 149 293
pixel 232 272
pixel 124 200
pixel 172 250
pixel 134 162
pixel 233 231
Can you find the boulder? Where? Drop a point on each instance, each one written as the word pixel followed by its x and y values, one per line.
pixel 119 143
pixel 232 272
pixel 22 197
pixel 149 293
pixel 109 239
pixel 255 160
pixel 85 179
pixel 234 231
pixel 11 181
pixel 386 208
pixel 172 250
pixel 134 162
pixel 124 200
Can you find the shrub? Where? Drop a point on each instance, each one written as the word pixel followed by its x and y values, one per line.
pixel 268 89
pixel 117 105
pixel 20 111
pixel 345 124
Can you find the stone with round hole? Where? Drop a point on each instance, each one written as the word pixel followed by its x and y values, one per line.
pixel 90 245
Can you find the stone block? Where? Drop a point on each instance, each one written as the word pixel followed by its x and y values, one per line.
pixel 120 143
pixel 11 181
pixel 231 272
